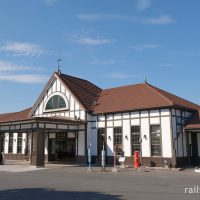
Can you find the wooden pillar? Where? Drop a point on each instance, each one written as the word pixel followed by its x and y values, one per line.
pixel 188 148
pixel 37 148
pixel 86 144
pixel 174 163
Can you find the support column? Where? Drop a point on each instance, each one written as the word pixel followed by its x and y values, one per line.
pixel 188 148
pixel 37 148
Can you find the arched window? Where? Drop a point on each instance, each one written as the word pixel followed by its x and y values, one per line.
pixel 55 102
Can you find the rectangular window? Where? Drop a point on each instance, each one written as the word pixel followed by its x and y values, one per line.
pixel 19 143
pixel 155 140
pixel 10 145
pixel 118 140
pixel 135 138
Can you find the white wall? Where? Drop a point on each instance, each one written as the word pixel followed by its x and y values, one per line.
pixel 126 141
pixel 145 119
pixel 166 137
pixel 6 142
pixel 81 143
pixel 145 142
pixel 110 141
pixel 15 143
pixel 24 140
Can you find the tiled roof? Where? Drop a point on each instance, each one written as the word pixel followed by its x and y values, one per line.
pixel 137 97
pixel 86 92
pixel 15 116
pixel 194 123
pixel 125 98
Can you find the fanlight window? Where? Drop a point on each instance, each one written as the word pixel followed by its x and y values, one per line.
pixel 55 102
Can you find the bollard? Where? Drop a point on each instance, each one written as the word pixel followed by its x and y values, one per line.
pixel 114 169
pixel 103 159
pixel 89 159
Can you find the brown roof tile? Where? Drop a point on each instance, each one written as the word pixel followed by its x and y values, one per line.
pixel 137 97
pixel 15 116
pixel 86 92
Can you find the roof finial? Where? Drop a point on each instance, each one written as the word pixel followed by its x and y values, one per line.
pixel 59 60
pixel 145 79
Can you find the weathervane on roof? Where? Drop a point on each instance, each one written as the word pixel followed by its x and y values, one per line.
pixel 58 61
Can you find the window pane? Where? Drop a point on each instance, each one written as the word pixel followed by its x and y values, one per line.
pixel 49 104
pixel 118 140
pixel 155 140
pixel 135 138
pixel 55 102
pixel 61 103
pixel 10 146
pixel 19 143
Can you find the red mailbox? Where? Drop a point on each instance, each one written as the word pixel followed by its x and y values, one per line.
pixel 136 159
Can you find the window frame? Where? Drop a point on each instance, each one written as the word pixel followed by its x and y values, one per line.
pixel 11 138
pixel 135 133
pixel 60 95
pixel 118 152
pixel 155 144
pixel 19 146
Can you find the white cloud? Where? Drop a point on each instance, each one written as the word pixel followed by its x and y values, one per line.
pixel 50 2
pixel 117 75
pixel 6 66
pixel 22 49
pixel 160 20
pixel 24 78
pixel 143 4
pixel 88 41
pixel 93 41
pixel 144 46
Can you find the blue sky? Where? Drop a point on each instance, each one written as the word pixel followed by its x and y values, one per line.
pixel 109 42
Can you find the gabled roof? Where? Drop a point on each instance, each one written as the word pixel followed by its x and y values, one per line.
pixel 137 97
pixel 120 99
pixel 15 116
pixel 86 92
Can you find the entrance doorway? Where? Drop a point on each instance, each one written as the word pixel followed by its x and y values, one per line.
pixel 62 146
pixel 101 141
pixel 1 143
pixel 194 149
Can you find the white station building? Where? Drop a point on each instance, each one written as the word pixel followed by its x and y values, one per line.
pixel 71 113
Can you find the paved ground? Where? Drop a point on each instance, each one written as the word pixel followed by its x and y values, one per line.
pixel 59 182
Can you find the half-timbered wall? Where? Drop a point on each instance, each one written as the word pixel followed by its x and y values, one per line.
pixel 144 119
pixel 179 118
pixel 74 109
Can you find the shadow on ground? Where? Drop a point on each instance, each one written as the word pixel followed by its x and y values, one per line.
pixel 51 194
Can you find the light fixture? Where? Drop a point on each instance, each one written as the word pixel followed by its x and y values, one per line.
pixel 126 137
pixel 109 137
pixel 145 137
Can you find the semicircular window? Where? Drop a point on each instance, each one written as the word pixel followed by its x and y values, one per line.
pixel 55 102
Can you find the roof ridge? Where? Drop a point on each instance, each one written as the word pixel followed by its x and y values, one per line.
pixel 162 95
pixel 92 93
pixel 130 85
pixel 82 79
